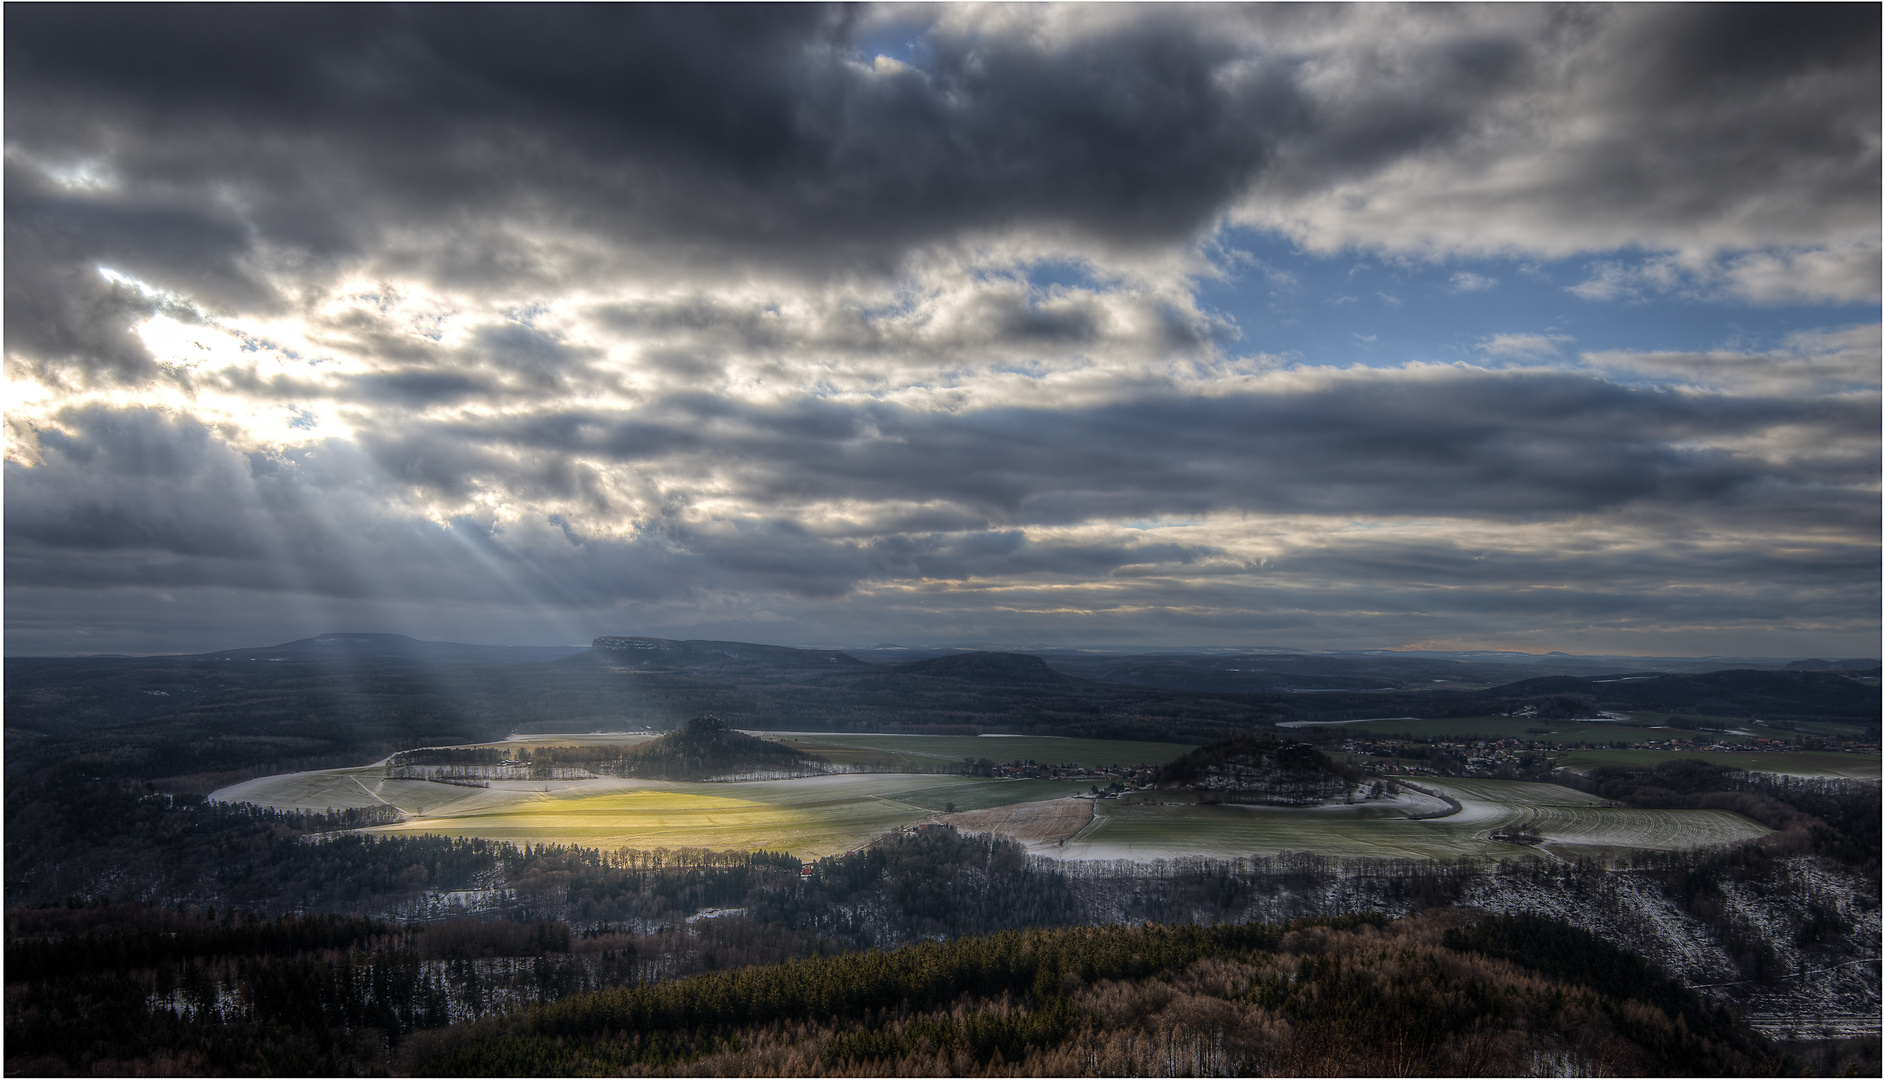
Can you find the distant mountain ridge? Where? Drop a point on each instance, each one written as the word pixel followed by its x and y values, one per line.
pixel 653 652
pixel 343 698
pixel 396 647
pixel 992 667
pixel 1771 695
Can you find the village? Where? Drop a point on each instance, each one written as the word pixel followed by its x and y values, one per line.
pixel 1506 757
pixel 1105 779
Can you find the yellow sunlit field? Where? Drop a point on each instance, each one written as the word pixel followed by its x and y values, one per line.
pixel 809 817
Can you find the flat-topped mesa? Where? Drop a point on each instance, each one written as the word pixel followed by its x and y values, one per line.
pixel 988 667
pixel 1262 770
pixel 625 644
pixel 653 653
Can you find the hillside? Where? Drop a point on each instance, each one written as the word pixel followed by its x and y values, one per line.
pixel 1346 997
pixel 660 682
pixel 663 654
pixel 1002 668
pixel 1771 696
pixel 1252 769
pixel 706 749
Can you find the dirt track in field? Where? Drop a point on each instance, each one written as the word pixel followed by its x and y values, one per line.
pixel 1051 821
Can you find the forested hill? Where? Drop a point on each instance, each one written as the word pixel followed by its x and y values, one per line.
pixel 1353 996
pixel 990 667
pixel 706 749
pixel 961 693
pixel 1762 695
pixel 1258 769
pixel 664 654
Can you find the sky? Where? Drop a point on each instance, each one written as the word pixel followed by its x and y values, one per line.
pixel 1517 327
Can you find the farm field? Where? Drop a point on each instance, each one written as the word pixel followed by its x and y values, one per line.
pixel 1571 822
pixel 810 817
pixel 593 738
pixel 816 816
pixel 1785 762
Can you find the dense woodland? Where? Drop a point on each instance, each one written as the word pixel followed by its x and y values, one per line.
pixel 1260 769
pixel 152 989
pixel 570 921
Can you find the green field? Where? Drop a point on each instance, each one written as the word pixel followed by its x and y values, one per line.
pixel 1571 821
pixel 824 815
pixel 1786 762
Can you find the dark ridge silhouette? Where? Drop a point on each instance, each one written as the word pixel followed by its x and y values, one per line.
pixel 989 667
pixel 1760 695
pixel 355 648
pixel 666 654
pixel 1849 667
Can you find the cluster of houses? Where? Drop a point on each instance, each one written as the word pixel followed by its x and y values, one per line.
pixel 1433 757
pixel 1113 777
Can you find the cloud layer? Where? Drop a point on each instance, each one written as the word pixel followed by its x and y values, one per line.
pixel 860 324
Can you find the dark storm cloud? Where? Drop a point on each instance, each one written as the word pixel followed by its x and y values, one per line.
pixel 1700 106
pixel 58 306
pixel 717 133
pixel 155 510
pixel 1496 447
pixel 134 480
pixel 1724 91
pixel 1516 446
pixel 756 128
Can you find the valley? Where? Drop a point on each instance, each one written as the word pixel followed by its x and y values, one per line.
pixel 813 817
pixel 543 829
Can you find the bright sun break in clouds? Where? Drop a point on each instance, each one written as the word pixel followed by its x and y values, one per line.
pixel 1524 327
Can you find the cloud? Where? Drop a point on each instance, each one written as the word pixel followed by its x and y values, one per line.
pixel 1531 347
pixel 1843 273
pixel 597 318
pixel 1550 131
pixel 1847 272
pixel 1810 364
pixel 488 149
pixel 818 498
